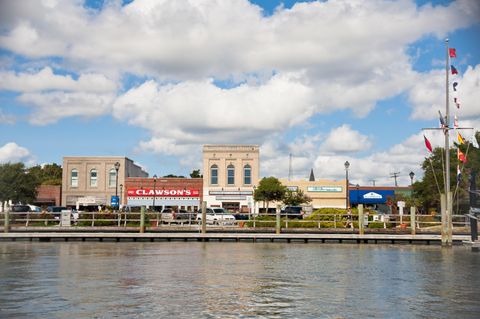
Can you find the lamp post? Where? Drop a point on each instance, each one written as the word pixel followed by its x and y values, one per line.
pixel 347 165
pixel 412 174
pixel 358 195
pixel 121 195
pixel 117 167
pixel 154 186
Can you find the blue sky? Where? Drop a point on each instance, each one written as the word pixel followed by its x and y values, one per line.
pixel 325 81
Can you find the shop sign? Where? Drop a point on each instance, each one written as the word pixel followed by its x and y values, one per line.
pixel 292 188
pixel 173 192
pixel 372 195
pixel 325 189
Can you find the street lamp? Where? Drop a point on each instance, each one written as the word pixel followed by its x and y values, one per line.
pixel 154 194
pixel 412 174
pixel 358 195
pixel 347 165
pixel 117 167
pixel 121 195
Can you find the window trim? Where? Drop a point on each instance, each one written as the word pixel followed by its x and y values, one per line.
pixel 72 178
pixel 230 168
pixel 212 168
pixel 245 168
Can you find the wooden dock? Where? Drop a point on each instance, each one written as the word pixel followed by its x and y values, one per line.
pixel 232 237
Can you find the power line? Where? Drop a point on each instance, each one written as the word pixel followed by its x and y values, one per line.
pixel 395 175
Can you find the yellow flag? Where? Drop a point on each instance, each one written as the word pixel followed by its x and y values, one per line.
pixel 460 138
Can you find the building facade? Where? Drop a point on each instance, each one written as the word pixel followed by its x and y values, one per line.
pixel 159 193
pixel 324 193
pixel 230 173
pixel 48 195
pixel 93 180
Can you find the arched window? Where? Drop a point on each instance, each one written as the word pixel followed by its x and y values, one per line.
pixel 214 174
pixel 231 174
pixel 74 178
pixel 247 175
pixel 112 177
pixel 93 177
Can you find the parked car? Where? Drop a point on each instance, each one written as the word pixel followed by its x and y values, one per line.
pixel 292 212
pixel 35 209
pixel 217 216
pixel 56 211
pixel 184 215
pixel 167 215
pixel 20 209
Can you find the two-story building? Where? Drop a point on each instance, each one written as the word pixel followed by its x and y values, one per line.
pixel 230 173
pixel 93 180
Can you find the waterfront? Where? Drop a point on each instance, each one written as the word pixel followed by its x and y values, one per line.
pixel 230 280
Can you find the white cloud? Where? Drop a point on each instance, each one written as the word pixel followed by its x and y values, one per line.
pixel 45 79
pixel 345 140
pixel 11 152
pixel 50 107
pixel 428 95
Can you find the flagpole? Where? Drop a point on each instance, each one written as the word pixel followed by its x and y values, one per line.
pixel 446 219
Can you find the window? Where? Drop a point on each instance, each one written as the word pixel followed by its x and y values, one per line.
pixel 247 175
pixel 231 174
pixel 112 177
pixel 74 178
pixel 93 177
pixel 214 174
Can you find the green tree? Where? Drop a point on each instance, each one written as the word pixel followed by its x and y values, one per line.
pixel 196 174
pixel 269 189
pixel 295 198
pixel 427 192
pixel 17 183
pixel 174 176
pixel 49 174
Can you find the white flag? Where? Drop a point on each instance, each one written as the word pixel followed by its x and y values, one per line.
pixel 473 140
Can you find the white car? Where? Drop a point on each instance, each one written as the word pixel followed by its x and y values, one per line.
pixel 217 216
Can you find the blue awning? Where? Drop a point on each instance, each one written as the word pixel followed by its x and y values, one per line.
pixel 370 196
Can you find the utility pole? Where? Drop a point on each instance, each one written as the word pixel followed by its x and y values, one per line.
pixel 395 175
pixel 373 181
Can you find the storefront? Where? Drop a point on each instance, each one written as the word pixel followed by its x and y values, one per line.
pixel 181 193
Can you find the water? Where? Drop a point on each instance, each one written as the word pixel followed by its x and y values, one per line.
pixel 236 280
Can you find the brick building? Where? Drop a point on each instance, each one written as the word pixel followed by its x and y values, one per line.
pixel 48 195
pixel 182 193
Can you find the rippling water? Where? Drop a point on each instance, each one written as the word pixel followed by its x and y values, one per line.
pixel 236 280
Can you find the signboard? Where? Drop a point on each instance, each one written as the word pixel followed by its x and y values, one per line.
pixel 172 192
pixel 65 220
pixel 325 189
pixel 292 188
pixel 114 201
pixel 230 193
pixel 372 195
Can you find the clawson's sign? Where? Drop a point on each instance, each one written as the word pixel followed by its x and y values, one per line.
pixel 172 192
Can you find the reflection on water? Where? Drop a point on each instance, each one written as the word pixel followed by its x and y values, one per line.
pixel 231 280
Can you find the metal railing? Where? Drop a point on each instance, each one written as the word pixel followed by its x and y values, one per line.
pixel 154 219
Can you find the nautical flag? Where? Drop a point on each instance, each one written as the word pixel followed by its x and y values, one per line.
pixel 452 52
pixel 461 157
pixel 473 141
pixel 442 122
pixel 460 138
pixel 459 174
pixel 457 102
pixel 454 71
pixel 455 86
pixel 427 144
pixel 455 121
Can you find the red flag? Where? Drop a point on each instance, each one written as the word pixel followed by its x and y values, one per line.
pixel 461 157
pixel 454 71
pixel 452 52
pixel 427 144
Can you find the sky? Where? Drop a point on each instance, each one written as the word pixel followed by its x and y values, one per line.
pixel 154 80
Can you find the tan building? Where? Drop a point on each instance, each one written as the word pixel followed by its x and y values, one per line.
pixel 230 173
pixel 92 180
pixel 324 193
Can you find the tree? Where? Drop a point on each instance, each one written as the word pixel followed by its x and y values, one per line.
pixel 295 198
pixel 17 183
pixel 427 192
pixel 269 189
pixel 196 174
pixel 49 174
pixel 173 176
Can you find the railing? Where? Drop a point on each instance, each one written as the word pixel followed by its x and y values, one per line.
pixel 154 219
